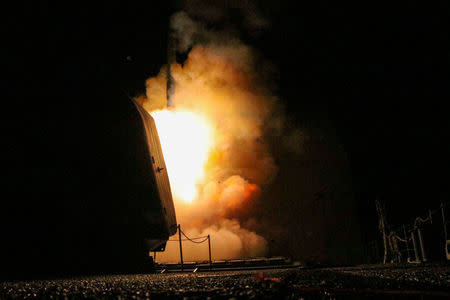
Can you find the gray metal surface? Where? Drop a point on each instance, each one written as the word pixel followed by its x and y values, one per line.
pixel 159 171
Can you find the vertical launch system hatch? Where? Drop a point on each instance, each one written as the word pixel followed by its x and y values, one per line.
pixel 163 222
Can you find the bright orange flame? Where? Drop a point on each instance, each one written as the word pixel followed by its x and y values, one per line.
pixel 186 141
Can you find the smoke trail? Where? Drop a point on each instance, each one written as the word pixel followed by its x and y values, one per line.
pixel 170 83
pixel 219 81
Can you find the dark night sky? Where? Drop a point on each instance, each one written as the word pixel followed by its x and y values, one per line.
pixel 373 80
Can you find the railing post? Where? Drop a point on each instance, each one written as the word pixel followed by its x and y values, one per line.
pixel 413 239
pixel 422 246
pixel 181 247
pixel 209 248
pixel 443 221
pixel 406 240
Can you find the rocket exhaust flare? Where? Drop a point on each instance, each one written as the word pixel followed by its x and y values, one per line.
pixel 212 137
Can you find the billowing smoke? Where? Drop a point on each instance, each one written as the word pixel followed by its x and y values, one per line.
pixel 219 168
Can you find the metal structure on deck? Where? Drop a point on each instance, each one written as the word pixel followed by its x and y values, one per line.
pixel 423 240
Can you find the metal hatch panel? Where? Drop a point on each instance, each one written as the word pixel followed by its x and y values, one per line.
pixel 159 170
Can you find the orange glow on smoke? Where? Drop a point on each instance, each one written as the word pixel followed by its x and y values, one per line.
pixel 213 146
pixel 239 196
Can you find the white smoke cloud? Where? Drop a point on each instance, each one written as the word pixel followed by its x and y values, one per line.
pixel 220 81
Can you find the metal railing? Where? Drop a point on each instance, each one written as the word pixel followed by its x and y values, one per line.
pixel 196 240
pixel 412 242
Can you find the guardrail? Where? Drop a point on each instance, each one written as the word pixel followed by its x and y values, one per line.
pixel 412 242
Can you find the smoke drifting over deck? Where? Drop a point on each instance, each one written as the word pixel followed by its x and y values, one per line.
pixel 217 157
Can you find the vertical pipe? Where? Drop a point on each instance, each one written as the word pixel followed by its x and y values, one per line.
pixel 422 246
pixel 209 247
pixel 154 256
pixel 407 246
pixel 171 58
pixel 181 247
pixel 413 239
pixel 385 247
pixel 443 221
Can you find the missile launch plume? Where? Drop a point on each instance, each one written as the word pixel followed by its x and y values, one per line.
pixel 171 58
pixel 212 129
